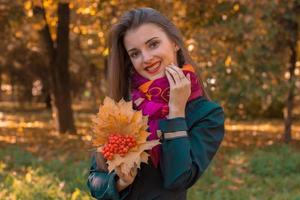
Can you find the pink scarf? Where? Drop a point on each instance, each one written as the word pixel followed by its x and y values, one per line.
pixel 155 95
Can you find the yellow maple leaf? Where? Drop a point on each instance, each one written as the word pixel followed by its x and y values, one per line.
pixel 131 158
pixel 119 117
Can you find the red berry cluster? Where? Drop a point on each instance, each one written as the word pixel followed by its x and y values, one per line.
pixel 118 144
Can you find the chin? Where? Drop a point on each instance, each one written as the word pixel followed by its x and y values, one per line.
pixel 156 76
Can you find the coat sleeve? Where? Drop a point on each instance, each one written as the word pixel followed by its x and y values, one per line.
pixel 184 159
pixel 102 185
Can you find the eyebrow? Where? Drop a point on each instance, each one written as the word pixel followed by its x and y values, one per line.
pixel 145 43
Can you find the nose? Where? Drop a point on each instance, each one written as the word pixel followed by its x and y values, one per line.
pixel 147 57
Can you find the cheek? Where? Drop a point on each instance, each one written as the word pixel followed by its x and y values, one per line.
pixel 169 57
pixel 136 64
pixel 168 53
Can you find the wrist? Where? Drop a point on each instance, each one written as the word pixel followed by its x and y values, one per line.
pixel 176 113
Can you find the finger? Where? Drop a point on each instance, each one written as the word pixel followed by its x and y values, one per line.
pixel 180 74
pixel 170 78
pixel 188 76
pixel 118 172
pixel 134 167
pixel 175 69
pixel 179 71
pixel 133 172
pixel 174 74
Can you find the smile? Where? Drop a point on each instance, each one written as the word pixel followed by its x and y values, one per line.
pixel 153 68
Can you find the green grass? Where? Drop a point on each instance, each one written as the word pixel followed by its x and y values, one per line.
pixel 268 173
pixel 271 173
pixel 24 176
pixel 58 166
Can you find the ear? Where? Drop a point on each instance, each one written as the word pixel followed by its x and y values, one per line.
pixel 176 47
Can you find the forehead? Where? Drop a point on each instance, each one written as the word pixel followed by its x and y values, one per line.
pixel 140 35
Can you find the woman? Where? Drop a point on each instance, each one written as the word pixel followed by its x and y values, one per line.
pixel 149 65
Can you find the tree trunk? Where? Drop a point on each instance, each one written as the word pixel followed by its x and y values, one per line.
pixel 293 27
pixel 62 90
pixel 0 83
pixel 58 69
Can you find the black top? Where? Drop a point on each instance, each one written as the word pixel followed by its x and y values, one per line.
pixel 183 160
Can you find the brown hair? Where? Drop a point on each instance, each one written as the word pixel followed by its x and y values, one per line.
pixel 119 64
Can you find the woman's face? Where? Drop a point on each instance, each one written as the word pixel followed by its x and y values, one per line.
pixel 150 50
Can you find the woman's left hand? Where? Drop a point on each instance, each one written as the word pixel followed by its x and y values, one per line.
pixel 180 90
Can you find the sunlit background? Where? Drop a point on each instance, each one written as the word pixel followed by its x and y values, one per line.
pixel 53 76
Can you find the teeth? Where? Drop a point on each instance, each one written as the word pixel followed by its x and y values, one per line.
pixel 153 67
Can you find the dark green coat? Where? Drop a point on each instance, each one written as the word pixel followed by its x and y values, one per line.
pixel 183 160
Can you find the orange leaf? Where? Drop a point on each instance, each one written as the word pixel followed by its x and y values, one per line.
pixel 132 157
pixel 118 118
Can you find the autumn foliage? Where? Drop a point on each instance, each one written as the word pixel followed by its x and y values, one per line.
pixel 120 134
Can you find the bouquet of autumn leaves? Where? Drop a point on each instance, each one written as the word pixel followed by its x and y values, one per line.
pixel 119 133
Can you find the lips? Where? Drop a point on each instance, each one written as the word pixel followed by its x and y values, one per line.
pixel 153 68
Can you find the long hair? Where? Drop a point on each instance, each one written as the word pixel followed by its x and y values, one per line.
pixel 119 63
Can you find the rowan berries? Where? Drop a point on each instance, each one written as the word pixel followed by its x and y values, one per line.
pixel 118 144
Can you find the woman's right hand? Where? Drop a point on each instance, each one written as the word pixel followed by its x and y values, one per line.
pixel 180 90
pixel 125 179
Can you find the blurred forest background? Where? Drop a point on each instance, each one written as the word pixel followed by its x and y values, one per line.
pixel 53 69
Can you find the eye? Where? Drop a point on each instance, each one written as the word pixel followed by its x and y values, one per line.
pixel 153 44
pixel 134 54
